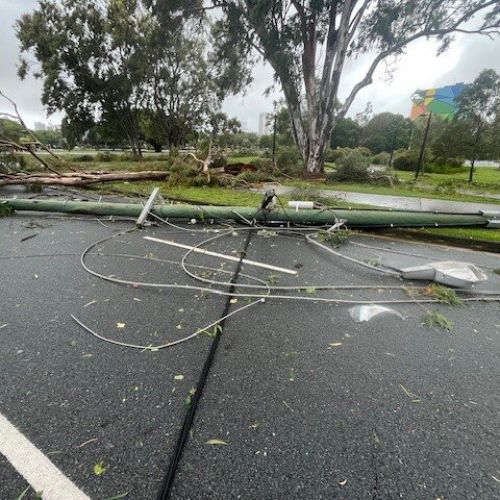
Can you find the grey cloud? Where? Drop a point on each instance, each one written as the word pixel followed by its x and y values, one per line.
pixel 476 53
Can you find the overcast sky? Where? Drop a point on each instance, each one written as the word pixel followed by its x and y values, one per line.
pixel 419 68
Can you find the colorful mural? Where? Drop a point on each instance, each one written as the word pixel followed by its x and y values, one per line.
pixel 439 101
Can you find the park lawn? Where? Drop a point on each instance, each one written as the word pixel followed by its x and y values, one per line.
pixel 401 190
pixel 473 234
pixel 206 194
pixel 485 178
pixel 242 159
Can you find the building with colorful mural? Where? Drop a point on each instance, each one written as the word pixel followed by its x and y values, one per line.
pixel 438 101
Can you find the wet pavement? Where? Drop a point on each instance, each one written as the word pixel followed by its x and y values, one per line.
pixel 389 201
pixel 302 402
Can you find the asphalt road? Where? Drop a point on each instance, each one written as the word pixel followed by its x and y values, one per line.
pixel 310 403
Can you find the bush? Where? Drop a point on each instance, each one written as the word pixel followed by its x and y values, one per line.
pixel 406 161
pixel 249 177
pixel 332 155
pixel 352 167
pixel 289 161
pixel 444 168
pixel 362 151
pixel 183 173
pixel 264 165
pixel 104 157
pixel 12 161
pixel 381 159
pixel 83 158
pixel 128 156
pixel 219 161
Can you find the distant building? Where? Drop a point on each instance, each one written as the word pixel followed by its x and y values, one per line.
pixel 40 126
pixel 264 127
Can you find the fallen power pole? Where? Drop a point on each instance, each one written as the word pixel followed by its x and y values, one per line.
pixel 318 217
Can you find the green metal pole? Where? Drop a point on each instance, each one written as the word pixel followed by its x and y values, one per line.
pixel 354 218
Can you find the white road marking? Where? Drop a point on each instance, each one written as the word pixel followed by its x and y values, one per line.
pixel 42 475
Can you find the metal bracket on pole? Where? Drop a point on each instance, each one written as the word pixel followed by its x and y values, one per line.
pixel 147 208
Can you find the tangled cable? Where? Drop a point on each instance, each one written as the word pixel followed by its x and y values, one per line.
pixel 264 289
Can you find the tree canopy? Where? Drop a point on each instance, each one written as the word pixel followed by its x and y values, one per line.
pixel 140 69
pixel 386 132
pixel 307 43
pixel 345 134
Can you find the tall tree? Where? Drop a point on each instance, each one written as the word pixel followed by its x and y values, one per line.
pixel 479 103
pixel 109 61
pixel 386 132
pixel 307 43
pixel 345 134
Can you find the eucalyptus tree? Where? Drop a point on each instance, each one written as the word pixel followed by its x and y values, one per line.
pixel 307 43
pixel 138 69
pixel 479 105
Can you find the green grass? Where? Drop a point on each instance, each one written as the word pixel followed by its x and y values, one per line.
pixel 242 159
pixel 485 179
pixel 473 234
pixel 401 190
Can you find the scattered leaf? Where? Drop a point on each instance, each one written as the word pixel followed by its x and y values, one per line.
pixel 88 442
pixel 99 468
pixel 343 483
pixel 311 290
pixel 117 497
pixel 496 479
pixel 90 303
pixel 23 493
pixel 233 301
pixel 335 344
pixel 179 377
pixel 291 375
pixel 4 325
pixel 137 300
pixel 216 442
pixel 88 355
pixel 189 398
pixel 411 395
pixel 435 318
pixel 120 325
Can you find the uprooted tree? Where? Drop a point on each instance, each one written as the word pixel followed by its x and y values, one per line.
pixel 307 43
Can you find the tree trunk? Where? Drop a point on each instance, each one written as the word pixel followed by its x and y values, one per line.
pixel 81 178
pixel 471 171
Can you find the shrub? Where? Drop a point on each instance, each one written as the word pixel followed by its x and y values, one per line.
pixel 129 156
pixel 263 165
pixel 259 176
pixel 362 151
pixel 183 173
pixel 352 167
pixel 332 155
pixel 104 157
pixel 406 161
pixel 446 166
pixel 289 161
pixel 219 161
pixel 442 168
pixel 12 161
pixel 83 158
pixel 381 159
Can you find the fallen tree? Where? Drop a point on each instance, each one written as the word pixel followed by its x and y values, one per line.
pixel 80 178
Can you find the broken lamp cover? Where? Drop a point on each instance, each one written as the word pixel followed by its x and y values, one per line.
pixel 367 312
pixel 449 273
